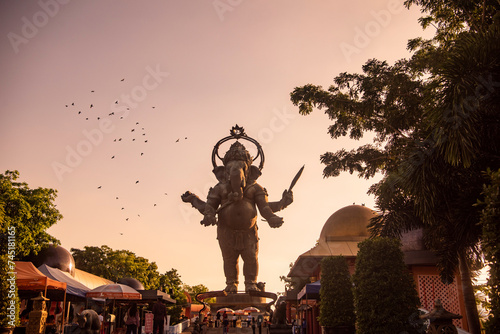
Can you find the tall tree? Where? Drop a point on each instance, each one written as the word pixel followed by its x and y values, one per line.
pixel 196 289
pixel 490 221
pixel 172 283
pixel 30 211
pixel 437 128
pixel 116 264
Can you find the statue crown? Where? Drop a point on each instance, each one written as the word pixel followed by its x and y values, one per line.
pixel 237 152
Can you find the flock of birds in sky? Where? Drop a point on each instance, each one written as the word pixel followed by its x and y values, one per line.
pixel 136 134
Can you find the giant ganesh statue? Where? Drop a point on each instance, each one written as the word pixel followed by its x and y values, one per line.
pixel 232 205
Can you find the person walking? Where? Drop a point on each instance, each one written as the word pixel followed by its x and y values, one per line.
pixel 159 316
pixel 133 319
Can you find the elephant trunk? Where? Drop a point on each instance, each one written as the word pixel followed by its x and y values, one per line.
pixel 238 182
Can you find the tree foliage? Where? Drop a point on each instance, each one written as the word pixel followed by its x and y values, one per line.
pixel 196 289
pixel 30 211
pixel 437 129
pixel 337 303
pixel 490 221
pixel 116 264
pixel 385 296
pixel 294 283
pixel 171 282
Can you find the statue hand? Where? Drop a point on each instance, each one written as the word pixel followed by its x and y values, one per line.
pixel 208 220
pixel 275 221
pixel 188 197
pixel 286 198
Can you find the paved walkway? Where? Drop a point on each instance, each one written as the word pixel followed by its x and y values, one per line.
pixel 232 330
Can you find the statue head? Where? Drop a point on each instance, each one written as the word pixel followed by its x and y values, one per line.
pixel 237 152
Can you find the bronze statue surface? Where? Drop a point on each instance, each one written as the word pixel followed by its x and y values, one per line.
pixel 232 205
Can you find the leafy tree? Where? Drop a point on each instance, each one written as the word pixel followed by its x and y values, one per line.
pixel 116 264
pixel 9 300
pixel 196 289
pixel 172 283
pixel 436 125
pixel 30 211
pixel 385 296
pixel 490 220
pixel 337 303
pixel 294 283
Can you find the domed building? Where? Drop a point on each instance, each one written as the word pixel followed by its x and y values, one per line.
pixel 340 235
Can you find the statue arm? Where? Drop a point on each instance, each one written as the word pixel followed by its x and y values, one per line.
pixel 286 200
pixel 195 201
pixel 265 209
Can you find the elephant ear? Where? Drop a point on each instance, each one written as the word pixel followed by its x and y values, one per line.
pixel 219 172
pixel 253 173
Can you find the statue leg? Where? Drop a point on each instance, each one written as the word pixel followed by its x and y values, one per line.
pixel 230 258
pixel 251 263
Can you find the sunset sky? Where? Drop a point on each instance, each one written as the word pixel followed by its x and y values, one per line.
pixel 187 71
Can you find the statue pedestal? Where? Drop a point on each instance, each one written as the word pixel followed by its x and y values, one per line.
pixel 239 301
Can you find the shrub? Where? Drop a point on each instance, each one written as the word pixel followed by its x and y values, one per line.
pixel 385 297
pixel 337 303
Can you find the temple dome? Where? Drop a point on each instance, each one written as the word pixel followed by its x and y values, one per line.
pixel 340 235
pixel 347 224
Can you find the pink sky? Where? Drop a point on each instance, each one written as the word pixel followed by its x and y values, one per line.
pixel 204 66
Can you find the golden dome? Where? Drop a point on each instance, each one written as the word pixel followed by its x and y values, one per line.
pixel 347 224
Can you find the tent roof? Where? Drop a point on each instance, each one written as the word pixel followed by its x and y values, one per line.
pixel 91 281
pixel 30 278
pixel 74 287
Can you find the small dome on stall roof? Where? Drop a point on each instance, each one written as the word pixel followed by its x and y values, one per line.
pixel 131 282
pixel 56 257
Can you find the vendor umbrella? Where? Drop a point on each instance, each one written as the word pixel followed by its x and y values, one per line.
pixel 251 309
pixel 114 291
pixel 225 309
pixel 239 312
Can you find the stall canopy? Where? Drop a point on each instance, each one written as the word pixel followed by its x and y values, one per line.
pixel 91 281
pixel 30 278
pixel 310 291
pixel 73 288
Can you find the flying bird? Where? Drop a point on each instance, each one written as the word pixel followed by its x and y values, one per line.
pixel 91 91
pixel 79 112
pixel 99 187
pixel 132 130
pixel 136 181
pixel 91 106
pixel 122 79
pixel 145 141
pixel 142 153
pixel 117 197
pixel 177 141
pixel 123 208
pixel 113 157
pixel 120 139
pixel 133 139
pixel 73 103
pixel 136 123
